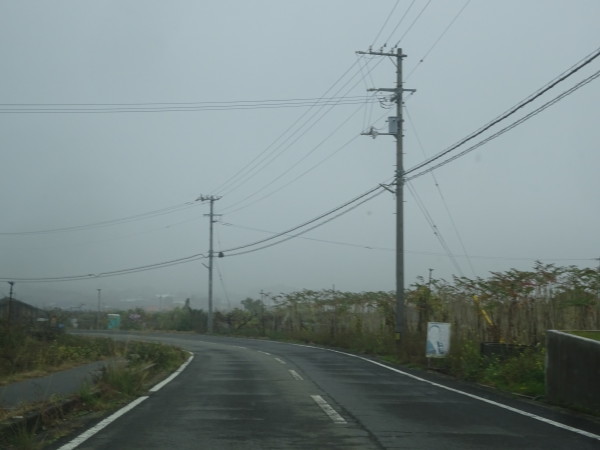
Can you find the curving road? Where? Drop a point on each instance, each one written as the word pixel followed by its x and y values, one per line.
pixel 254 394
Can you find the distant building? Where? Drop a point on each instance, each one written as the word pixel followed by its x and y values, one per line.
pixel 18 312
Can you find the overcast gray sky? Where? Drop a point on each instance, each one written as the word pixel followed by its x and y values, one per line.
pixel 114 109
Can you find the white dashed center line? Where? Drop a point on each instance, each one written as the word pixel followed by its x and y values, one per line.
pixel 326 407
pixel 296 375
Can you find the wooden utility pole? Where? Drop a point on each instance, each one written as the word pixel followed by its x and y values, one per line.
pixel 395 129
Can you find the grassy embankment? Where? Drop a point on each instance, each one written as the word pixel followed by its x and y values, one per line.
pixel 132 367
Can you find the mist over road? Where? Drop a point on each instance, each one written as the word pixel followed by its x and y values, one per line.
pixel 255 394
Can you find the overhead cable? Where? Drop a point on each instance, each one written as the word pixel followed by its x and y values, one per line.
pixel 228 209
pixel 256 161
pixel 385 22
pixel 325 241
pixel 273 152
pixel 104 223
pixel 516 108
pixel 114 108
pixel 302 225
pixel 112 273
pixel 292 236
pixel 439 189
pixel 436 231
pixel 198 256
pixel 413 23
pixel 294 165
pixel 422 59
pixel 399 22
pixel 502 131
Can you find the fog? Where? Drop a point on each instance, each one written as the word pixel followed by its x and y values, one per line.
pixel 118 115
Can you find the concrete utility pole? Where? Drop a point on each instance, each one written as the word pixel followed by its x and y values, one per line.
pixel 212 199
pixel 395 129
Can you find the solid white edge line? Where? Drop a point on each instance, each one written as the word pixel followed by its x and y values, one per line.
pixel 491 402
pixel 173 375
pixel 296 375
pixel 95 429
pixel 327 409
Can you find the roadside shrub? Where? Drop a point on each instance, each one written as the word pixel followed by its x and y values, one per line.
pixel 123 381
pixel 521 374
pixel 161 356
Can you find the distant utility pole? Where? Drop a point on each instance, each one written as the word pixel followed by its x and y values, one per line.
pixel 99 303
pixel 395 129
pixel 10 298
pixel 212 199
pixel 598 279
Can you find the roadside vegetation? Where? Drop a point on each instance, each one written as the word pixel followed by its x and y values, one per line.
pixel 26 353
pixel 595 335
pixel 498 324
pixel 498 335
pixel 131 368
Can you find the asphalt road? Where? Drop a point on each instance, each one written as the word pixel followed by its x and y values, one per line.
pixel 254 394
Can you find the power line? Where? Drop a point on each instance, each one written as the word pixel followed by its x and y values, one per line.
pixel 291 181
pixel 385 22
pixel 438 39
pixel 325 241
pixel 308 222
pixel 235 186
pixel 223 284
pixel 114 108
pixel 268 150
pixel 424 253
pixel 242 180
pixel 275 149
pixel 228 210
pixel 265 159
pixel 413 23
pixel 439 189
pixel 516 108
pixel 89 276
pixel 436 231
pixel 104 223
pixel 294 165
pixel 219 272
pixel 399 22
pixel 368 112
pixel 502 131
pixel 198 256
pixel 307 230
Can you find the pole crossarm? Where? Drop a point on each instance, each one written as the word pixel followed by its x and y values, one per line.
pixel 208 198
pixel 391 55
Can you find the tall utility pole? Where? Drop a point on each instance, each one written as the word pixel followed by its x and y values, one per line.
pixel 395 129
pixel 212 199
